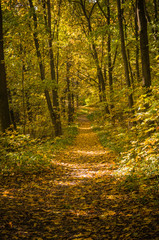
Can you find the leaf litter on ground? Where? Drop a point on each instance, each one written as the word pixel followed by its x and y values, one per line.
pixel 80 197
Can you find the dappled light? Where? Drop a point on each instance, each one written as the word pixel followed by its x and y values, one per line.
pixel 6 193
pixel 85 128
pixel 90 152
pixel 80 196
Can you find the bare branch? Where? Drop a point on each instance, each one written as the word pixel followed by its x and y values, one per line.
pixel 102 10
pixel 90 14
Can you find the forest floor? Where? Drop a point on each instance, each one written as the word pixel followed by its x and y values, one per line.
pixel 80 199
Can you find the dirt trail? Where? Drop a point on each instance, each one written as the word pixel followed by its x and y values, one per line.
pixel 79 200
pixel 86 158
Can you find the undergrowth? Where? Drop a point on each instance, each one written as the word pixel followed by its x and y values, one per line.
pixel 136 141
pixel 22 154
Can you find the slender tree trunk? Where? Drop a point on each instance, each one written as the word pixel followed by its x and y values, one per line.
pixel 99 74
pixel 109 56
pixel 137 48
pixel 156 3
pixel 12 115
pixel 23 98
pixel 123 50
pixel 77 91
pixel 53 77
pixel 144 45
pixel 28 106
pixel 42 70
pixel 69 98
pixel 105 73
pixel 73 97
pixel 156 26
pixel 130 69
pixel 57 39
pixel 63 100
pixel 4 106
pixel 110 65
pixel 73 103
pixel 102 90
pixel 77 96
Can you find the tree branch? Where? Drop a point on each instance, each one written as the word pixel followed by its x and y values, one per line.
pixel 102 10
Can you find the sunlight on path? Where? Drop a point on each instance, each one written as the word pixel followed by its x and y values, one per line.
pixel 86 158
pixel 90 152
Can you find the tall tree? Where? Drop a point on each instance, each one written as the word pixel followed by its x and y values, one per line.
pixel 123 50
pixel 53 76
pixel 4 106
pixel 144 44
pixel 42 71
pixel 109 48
pixel 70 115
pixel 101 83
pixel 137 46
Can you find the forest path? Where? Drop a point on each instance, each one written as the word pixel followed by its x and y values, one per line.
pixel 86 158
pixel 79 200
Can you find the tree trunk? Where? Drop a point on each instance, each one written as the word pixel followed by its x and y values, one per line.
pixel 156 3
pixel 23 100
pixel 57 39
pixel 101 82
pixel 28 106
pixel 4 106
pixel 58 128
pixel 77 90
pixel 144 45
pixel 110 64
pixel 109 56
pixel 11 110
pixel 63 103
pixel 123 50
pixel 130 69
pixel 137 48
pixel 69 95
pixel 73 103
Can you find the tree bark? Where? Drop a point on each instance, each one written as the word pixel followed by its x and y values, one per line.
pixel 137 48
pixel 109 56
pixel 57 39
pixel 69 95
pixel 4 105
pixel 11 110
pixel 144 45
pixel 123 50
pixel 53 78
pixel 23 98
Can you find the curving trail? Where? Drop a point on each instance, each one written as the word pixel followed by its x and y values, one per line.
pixel 79 200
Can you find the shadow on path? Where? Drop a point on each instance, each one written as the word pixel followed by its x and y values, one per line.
pixel 79 200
